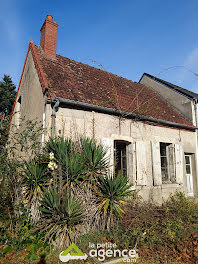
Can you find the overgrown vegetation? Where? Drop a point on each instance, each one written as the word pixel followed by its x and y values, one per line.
pixel 63 194
pixel 55 194
pixel 163 234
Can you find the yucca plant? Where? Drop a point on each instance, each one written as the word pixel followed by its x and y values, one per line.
pixel 95 158
pixel 60 147
pixel 73 169
pixel 35 177
pixel 68 156
pixel 62 214
pixel 111 194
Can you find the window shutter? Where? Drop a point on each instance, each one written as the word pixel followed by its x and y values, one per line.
pixel 179 163
pixel 171 162
pixel 108 143
pixel 157 174
pixel 141 163
pixel 130 162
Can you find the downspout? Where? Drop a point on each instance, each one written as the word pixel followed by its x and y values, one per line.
pixel 53 116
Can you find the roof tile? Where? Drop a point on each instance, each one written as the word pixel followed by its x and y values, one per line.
pixel 76 81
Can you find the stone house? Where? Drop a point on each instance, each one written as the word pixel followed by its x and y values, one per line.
pixel 146 138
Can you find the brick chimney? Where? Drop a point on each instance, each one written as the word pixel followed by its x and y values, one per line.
pixel 49 37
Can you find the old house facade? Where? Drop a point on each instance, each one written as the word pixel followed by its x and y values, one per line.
pixel 146 138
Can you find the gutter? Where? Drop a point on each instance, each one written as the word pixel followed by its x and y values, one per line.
pixel 115 112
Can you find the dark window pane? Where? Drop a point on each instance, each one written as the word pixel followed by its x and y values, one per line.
pixel 187 158
pixel 124 164
pixel 163 149
pixel 164 174
pixel 188 169
pixel 163 162
pixel 120 157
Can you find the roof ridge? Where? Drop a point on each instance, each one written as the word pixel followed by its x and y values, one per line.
pixel 39 70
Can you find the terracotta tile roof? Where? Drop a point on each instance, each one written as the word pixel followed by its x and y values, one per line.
pixel 80 82
pixel 76 81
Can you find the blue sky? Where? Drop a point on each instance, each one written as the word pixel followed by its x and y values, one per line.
pixel 127 37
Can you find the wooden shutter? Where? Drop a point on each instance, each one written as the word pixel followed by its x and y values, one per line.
pixel 130 162
pixel 179 164
pixel 108 143
pixel 141 163
pixel 156 160
pixel 171 162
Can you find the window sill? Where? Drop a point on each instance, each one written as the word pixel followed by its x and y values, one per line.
pixel 170 185
pixel 168 181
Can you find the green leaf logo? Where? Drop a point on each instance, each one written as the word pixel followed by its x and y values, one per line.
pixel 75 249
pixel 72 253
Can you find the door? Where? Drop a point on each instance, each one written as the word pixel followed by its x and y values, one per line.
pixel 189 177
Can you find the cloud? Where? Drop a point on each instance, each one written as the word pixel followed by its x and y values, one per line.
pixel 192 58
pixel 187 73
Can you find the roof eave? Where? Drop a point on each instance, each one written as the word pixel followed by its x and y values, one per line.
pixel 115 112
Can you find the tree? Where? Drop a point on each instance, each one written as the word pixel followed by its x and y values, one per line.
pixel 7 95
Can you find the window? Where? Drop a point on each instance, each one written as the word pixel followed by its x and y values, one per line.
pixel 188 164
pixel 164 161
pixel 120 157
pixel 167 162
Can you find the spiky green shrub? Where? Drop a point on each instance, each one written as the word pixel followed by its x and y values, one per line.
pixel 68 157
pixel 62 214
pixel 94 156
pixel 35 177
pixel 61 147
pixel 78 161
pixel 111 194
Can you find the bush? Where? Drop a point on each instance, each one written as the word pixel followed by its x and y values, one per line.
pixel 59 186
pixel 61 215
pixel 169 231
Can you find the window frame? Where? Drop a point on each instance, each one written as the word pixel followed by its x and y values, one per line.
pixel 165 153
pixel 123 157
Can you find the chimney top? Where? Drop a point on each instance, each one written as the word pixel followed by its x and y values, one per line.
pixel 49 37
pixel 49 16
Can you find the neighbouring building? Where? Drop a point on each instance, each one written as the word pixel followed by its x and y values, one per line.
pixel 186 103
pixel 146 138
